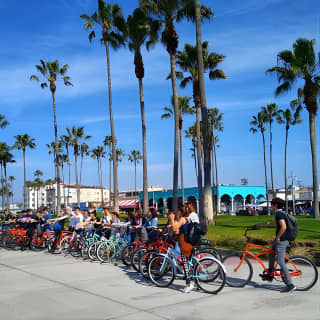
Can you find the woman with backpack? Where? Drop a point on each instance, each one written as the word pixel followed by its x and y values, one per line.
pixel 188 216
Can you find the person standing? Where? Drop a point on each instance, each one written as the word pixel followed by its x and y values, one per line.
pixel 280 245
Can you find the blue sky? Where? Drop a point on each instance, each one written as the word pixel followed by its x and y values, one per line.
pixel 250 33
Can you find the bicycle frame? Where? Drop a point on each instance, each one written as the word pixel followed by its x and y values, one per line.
pixel 274 273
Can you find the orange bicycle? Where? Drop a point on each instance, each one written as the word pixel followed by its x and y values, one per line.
pixel 303 271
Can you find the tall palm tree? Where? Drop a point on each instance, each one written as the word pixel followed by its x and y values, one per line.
pixel 215 124
pixel 187 61
pixel 51 73
pixel 302 63
pixel 62 159
pixel 24 141
pixel 84 152
pixel 135 157
pixel 290 119
pixel 142 31
pixel 38 183
pixel 191 133
pixel 111 22
pixel 272 113
pixel 11 179
pixel 120 155
pixel 97 154
pixel 3 121
pixel 78 135
pixel 5 158
pixel 167 13
pixel 108 143
pixel 258 125
pixel 65 140
pixel 184 108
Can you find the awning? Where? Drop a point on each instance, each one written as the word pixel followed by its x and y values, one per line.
pixel 127 204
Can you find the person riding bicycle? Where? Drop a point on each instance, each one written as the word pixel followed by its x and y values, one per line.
pixel 58 227
pixel 187 215
pixel 47 216
pixel 280 245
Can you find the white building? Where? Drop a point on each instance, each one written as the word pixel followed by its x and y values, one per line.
pixel 46 196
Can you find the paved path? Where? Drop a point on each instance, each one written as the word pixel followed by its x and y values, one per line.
pixel 44 286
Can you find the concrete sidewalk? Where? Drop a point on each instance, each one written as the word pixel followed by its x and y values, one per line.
pixel 44 286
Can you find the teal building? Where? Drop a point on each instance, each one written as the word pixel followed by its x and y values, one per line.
pixel 230 198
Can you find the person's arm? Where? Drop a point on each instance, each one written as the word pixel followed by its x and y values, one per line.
pixel 171 219
pixel 180 223
pixel 154 223
pixel 283 228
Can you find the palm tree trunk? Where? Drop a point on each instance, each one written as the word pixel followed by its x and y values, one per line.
pixel 144 151
pixel 2 187
pixel 114 155
pixel 77 178
pixel 81 167
pixel 271 159
pixel 199 158
pixel 7 187
pixel 63 188
pixel 312 128
pixel 217 177
pixel 181 166
pixel 101 183
pixel 265 171
pixel 24 177
pixel 195 159
pixel 110 180
pixel 69 177
pixel 176 133
pixel 56 153
pixel 285 170
pixel 207 196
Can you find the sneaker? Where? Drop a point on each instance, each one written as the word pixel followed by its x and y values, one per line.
pixel 188 288
pixel 266 277
pixel 289 288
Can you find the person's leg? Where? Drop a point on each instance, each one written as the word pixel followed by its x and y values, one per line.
pixel 281 252
pixel 186 268
pixel 272 257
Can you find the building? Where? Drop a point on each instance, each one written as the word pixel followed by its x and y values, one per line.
pixel 230 197
pixel 47 195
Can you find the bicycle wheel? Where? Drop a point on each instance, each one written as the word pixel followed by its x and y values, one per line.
pixel 237 275
pixel 126 253
pixel 209 275
pixel 102 252
pixel 92 251
pixel 203 251
pixel 65 246
pixel 136 257
pixel 112 251
pixel 84 250
pixel 144 261
pixel 308 272
pixel 161 271
pixel 75 248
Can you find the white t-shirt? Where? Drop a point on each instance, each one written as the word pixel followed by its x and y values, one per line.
pixel 194 217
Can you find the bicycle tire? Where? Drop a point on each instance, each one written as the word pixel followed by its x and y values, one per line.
pixel 136 256
pixel 210 250
pixel 126 253
pixel 242 276
pixel 102 254
pixel 157 271
pixel 92 251
pixel 144 261
pixel 210 280
pixel 305 266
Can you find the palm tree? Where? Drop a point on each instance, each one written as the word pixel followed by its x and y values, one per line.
pixel 290 119
pixel 191 133
pixel 65 140
pixel 84 152
pixel 108 143
pixel 167 12
pixel 135 157
pixel 142 31
pixel 120 155
pixel 272 113
pixel 215 124
pixel 187 60
pixel 302 63
pixel 3 122
pixel 184 108
pixel 51 72
pixel 5 158
pixel 38 183
pixel 78 135
pixel 11 179
pixel 258 125
pixel 24 141
pixel 112 24
pixel 62 159
pixel 97 154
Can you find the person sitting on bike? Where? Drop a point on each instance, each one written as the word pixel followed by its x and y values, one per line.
pixel 151 225
pixel 5 217
pixel 280 245
pixel 187 215
pixel 58 227
pixel 47 216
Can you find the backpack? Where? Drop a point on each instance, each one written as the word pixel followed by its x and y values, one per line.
pixel 292 227
pixel 193 234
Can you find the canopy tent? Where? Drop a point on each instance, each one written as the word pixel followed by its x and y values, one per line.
pixel 128 204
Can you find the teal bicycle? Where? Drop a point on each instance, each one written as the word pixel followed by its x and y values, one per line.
pixel 207 271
